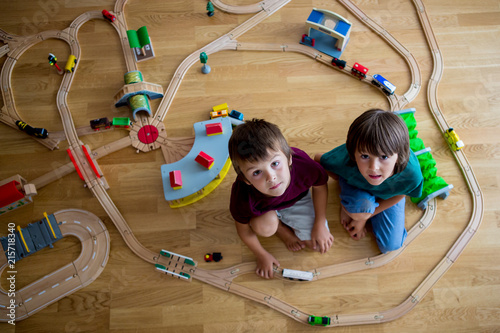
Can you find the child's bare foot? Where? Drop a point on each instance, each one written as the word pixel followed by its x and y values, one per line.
pixel 292 242
pixel 345 219
pixel 356 229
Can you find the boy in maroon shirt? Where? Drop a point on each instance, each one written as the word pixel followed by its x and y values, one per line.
pixel 271 193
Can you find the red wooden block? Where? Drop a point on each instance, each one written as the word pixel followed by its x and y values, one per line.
pixel 205 160
pixel 176 179
pixel 213 129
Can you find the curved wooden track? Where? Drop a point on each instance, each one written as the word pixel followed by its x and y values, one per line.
pixel 223 278
pixel 76 275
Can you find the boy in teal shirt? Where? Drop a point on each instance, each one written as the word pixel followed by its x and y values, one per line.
pixel 375 169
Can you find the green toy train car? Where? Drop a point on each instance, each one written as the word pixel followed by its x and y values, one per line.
pixel 324 321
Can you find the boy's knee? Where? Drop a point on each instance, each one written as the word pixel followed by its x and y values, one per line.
pixel 359 208
pixel 265 225
pixel 389 245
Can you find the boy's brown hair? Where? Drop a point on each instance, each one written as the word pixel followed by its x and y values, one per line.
pixel 251 140
pixel 380 132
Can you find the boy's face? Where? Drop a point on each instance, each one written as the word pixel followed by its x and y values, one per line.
pixel 375 169
pixel 270 176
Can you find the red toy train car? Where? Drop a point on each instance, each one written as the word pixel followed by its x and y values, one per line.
pixel 108 16
pixel 359 71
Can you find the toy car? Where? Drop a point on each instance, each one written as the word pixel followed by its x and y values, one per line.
pixel 216 256
pixel 108 16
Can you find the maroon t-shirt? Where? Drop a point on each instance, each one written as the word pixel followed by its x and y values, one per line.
pixel 246 202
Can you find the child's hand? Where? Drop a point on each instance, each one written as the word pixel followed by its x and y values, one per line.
pixel 265 264
pixel 321 238
pixel 356 229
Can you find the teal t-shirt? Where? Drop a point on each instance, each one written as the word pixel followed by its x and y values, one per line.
pixel 407 182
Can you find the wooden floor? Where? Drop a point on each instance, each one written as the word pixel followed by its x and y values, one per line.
pixel 313 104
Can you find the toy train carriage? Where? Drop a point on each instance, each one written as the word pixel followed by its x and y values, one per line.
pixel 381 82
pixel 339 63
pixel 70 64
pixel 121 122
pixel 108 16
pixel 453 139
pixel 236 115
pixel 97 124
pixel 359 71
pixel 323 321
pixel 36 132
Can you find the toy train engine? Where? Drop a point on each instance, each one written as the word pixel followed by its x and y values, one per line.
pixel 313 320
pixel 359 71
pixel 70 64
pixel 453 139
pixel 108 16
pixel 339 63
pixel 381 82
pixel 97 124
pixel 37 132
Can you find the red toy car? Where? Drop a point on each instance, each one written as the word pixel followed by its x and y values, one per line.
pixel 108 16
pixel 216 256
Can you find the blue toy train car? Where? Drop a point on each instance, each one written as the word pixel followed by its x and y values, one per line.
pixel 381 82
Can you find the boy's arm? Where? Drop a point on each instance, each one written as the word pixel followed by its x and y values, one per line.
pixel 265 260
pixel 320 236
pixel 386 203
pixel 317 158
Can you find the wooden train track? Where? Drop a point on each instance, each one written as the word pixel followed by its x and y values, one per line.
pixel 223 278
pixel 95 241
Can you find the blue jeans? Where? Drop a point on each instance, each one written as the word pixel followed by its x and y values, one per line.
pixel 388 225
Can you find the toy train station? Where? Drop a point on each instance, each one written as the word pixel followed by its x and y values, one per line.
pixel 327 32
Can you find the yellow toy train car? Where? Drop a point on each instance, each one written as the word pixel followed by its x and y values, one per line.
pixel 453 139
pixel 70 64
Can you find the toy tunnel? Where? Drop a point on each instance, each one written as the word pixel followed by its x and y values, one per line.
pixel 133 77
pixel 137 101
pixel 136 93
pixel 433 185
